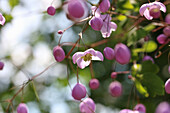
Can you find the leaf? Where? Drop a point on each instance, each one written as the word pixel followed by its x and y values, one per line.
pixel 141 89
pixel 121 17
pixel 13 3
pixel 128 5
pixel 148 66
pixel 34 89
pixel 153 83
pixel 150 46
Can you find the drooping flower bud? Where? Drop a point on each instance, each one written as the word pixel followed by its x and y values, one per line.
pixel 109 53
pixel 167 19
pixel 163 107
pixel 146 57
pixel 140 107
pixel 94 84
pixel 51 10
pixel 167 31
pixel 22 108
pixel 115 89
pixel 104 5
pixel 122 53
pixel 87 106
pixel 113 75
pixel 162 39
pixel 167 86
pixel 60 32
pixel 155 11
pixel 96 23
pixel 79 91
pixel 58 53
pixel 1 65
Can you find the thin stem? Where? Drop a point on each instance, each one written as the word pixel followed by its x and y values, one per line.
pixel 91 70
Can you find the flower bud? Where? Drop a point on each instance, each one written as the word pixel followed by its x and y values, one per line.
pixel 58 53
pixel 122 53
pixel 104 5
pixel 1 65
pixel 60 32
pixel 155 11
pixel 79 91
pixel 167 19
pixel 51 10
pixel 96 23
pixel 109 53
pixel 94 84
pixel 22 108
pixel 87 106
pixel 115 89
pixel 140 107
pixel 146 57
pixel 162 39
pixel 163 107
pixel 129 76
pixel 113 75
pixel 167 86
pixel 167 31
pixel 2 19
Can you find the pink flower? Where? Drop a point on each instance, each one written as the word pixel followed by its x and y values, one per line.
pixel 104 5
pixel 162 39
pixel 51 10
pixel 79 91
pixel 83 59
pixel 96 23
pixel 22 108
pixel 141 108
pixel 152 10
pixel 87 106
pixel 128 111
pixel 108 26
pixel 163 107
pixel 2 19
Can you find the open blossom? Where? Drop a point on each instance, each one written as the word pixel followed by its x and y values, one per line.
pixel 2 19
pixel 152 10
pixel 83 59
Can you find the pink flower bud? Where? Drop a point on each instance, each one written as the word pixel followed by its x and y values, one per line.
pixel 146 57
pixel 51 10
pixel 163 107
pixel 2 19
pixel 167 31
pixel 109 53
pixel 167 19
pixel 94 84
pixel 126 111
pixel 78 92
pixel 129 76
pixel 87 106
pixel 162 39
pixel 22 108
pixel 140 107
pixel 60 32
pixel 113 75
pixel 58 53
pixel 167 86
pixel 122 53
pixel 115 89
pixel 104 5
pixel 1 65
pixel 155 11
pixel 96 23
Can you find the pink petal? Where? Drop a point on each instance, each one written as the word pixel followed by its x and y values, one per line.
pixel 113 26
pixel 98 56
pixel 91 51
pixel 143 8
pixel 95 11
pixel 82 64
pixel 2 19
pixel 163 7
pixel 76 56
pixel 147 15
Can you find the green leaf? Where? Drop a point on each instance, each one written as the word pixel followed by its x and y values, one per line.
pixel 121 17
pixel 13 3
pixel 148 66
pixel 128 5
pixel 149 27
pixel 141 89
pixel 150 46
pixel 153 83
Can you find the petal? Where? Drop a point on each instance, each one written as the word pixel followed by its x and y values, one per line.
pixel 95 11
pixel 76 56
pixel 113 26
pixel 91 51
pixel 82 64
pixel 147 15
pixel 163 7
pixel 2 19
pixel 99 56
pixel 143 8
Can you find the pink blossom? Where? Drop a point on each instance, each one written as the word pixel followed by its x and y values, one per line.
pixel 83 59
pixel 104 5
pixel 128 111
pixel 151 10
pixel 22 108
pixel 2 19
pixel 87 106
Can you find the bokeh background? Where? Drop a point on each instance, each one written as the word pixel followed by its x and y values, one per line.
pixel 26 43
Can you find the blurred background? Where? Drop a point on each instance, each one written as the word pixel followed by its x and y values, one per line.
pixel 26 43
